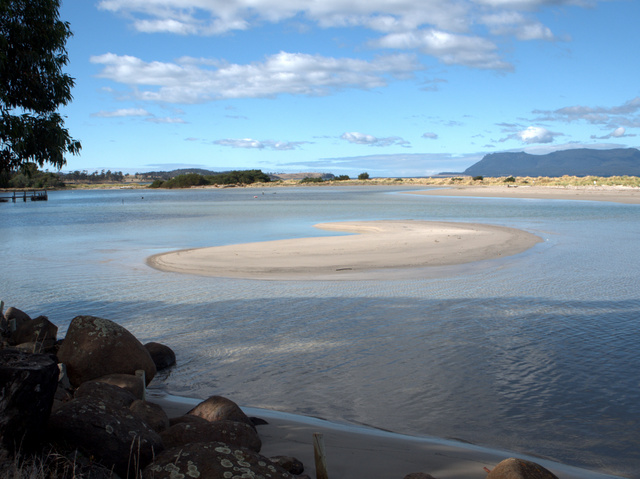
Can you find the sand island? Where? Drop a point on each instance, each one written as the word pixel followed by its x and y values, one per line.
pixel 369 249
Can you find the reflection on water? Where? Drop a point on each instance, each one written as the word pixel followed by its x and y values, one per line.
pixel 535 353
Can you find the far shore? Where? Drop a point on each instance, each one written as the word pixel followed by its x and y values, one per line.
pixel 376 248
pixel 616 194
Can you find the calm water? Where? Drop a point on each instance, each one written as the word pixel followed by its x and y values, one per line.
pixel 538 353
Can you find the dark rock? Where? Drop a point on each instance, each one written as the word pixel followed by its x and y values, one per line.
pixel 519 469
pixel 187 419
pixel 289 463
pixel 419 475
pixel 258 421
pixel 218 408
pixel 28 384
pixel 162 355
pixel 152 414
pixel 47 346
pixel 129 382
pixel 212 460
pixel 95 347
pixel 35 330
pixel 114 436
pixel 114 396
pixel 17 315
pixel 236 434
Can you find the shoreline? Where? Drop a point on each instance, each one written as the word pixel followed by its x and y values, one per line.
pixel 361 451
pixel 373 250
pixel 615 194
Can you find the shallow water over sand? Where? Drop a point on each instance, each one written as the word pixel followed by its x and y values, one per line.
pixel 535 353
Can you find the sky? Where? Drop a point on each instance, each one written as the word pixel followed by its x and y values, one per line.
pixel 394 88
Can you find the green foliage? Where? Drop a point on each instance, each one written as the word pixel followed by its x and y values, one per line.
pixel 95 177
pixel 363 176
pixel 186 181
pixel 478 178
pixel 510 179
pixel 245 177
pixel 309 179
pixel 342 178
pixel 32 84
pixel 28 176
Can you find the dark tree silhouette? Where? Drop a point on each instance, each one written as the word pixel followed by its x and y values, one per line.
pixel 32 84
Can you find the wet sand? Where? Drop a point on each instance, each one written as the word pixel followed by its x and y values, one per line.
pixel 616 194
pixel 354 451
pixel 372 250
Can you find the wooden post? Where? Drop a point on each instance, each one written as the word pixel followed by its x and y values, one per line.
pixel 319 455
pixel 141 374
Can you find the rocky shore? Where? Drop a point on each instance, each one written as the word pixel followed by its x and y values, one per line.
pixel 80 404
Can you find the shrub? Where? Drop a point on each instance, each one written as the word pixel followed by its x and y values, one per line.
pixel 510 179
pixel 363 176
pixel 309 179
pixel 478 178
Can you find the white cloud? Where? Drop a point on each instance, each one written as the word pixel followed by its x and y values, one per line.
pixel 436 28
pixel 619 132
pixel 166 119
pixel 193 80
pixel 430 136
pixel 450 48
pixel 260 144
pixel 627 114
pixel 122 112
pixel 536 134
pixel 364 139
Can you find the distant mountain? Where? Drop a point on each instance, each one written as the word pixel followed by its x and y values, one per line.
pixel 579 162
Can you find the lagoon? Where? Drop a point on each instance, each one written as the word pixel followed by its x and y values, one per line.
pixel 535 353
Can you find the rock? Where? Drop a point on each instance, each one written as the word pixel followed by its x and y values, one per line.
pixel 236 434
pixel 289 463
pixel 212 460
pixel 152 414
pixel 95 347
pixel 114 396
pixel 47 346
pixel 162 355
pixel 28 384
pixel 17 315
pixel 519 469
pixel 419 475
pixel 35 330
pixel 114 436
pixel 187 419
pixel 129 382
pixel 218 408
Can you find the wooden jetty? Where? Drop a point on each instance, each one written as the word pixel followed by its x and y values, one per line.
pixel 24 195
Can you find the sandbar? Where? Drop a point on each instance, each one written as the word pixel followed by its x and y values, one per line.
pixel 373 248
pixel 615 194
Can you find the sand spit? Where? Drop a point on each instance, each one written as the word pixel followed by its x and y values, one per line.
pixel 374 249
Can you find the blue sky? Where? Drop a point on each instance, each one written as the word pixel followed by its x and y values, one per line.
pixel 390 87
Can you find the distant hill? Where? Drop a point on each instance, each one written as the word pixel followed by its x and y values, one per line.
pixel 579 162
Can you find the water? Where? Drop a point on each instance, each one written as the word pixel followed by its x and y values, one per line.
pixel 536 353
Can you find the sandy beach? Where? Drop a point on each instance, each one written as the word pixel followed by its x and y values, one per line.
pixel 615 194
pixel 372 250
pixel 354 451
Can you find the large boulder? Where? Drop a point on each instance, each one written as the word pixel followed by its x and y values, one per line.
pixel 113 396
pixel 212 460
pixel 162 355
pixel 520 469
pixel 152 414
pixel 218 408
pixel 36 330
pixel 130 382
pixel 16 315
pixel 233 433
pixel 28 384
pixel 116 437
pixel 95 347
